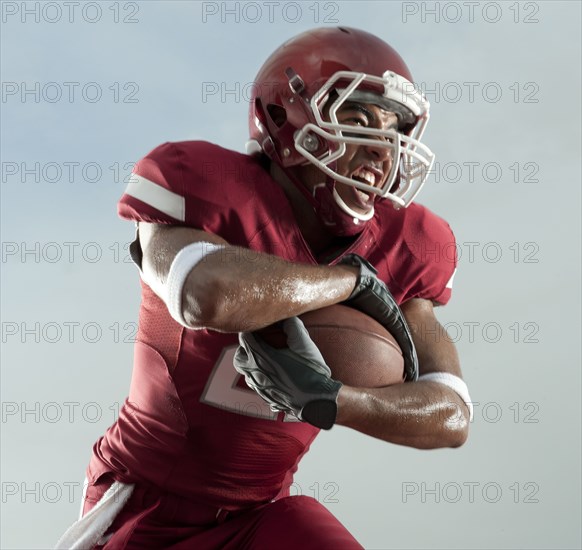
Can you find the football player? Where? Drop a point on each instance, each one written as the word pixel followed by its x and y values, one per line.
pixel 320 211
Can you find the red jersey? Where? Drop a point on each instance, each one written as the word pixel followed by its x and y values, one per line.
pixel 190 426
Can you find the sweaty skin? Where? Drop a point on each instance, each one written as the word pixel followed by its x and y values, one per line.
pixel 422 414
pixel 227 292
pixel 234 291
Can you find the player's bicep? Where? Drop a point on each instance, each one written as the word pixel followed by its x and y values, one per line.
pixel 159 246
pixel 436 351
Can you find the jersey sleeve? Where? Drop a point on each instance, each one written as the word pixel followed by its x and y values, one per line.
pixel 155 191
pixel 195 184
pixel 431 262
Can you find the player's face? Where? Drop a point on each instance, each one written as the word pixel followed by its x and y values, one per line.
pixel 369 164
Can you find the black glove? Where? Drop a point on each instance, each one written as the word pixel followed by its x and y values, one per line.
pixel 372 297
pixel 295 379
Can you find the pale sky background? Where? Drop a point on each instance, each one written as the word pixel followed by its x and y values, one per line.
pixel 515 311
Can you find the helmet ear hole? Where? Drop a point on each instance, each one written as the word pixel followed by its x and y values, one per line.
pixel 259 111
pixel 277 114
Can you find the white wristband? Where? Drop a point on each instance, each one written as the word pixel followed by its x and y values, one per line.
pixel 455 383
pixel 183 264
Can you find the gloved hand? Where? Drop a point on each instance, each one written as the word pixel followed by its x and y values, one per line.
pixel 372 297
pixel 295 379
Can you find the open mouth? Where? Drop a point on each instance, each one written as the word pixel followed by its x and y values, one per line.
pixel 367 175
pixel 364 200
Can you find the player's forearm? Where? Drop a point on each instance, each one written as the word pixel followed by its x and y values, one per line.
pixel 425 415
pixel 235 289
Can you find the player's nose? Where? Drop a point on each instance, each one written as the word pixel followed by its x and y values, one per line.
pixel 379 149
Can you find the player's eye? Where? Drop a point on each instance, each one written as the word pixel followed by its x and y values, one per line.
pixel 359 120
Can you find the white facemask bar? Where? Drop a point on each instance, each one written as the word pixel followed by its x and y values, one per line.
pixel 358 217
pixel 413 160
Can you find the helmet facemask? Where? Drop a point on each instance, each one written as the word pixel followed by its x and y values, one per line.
pixel 322 143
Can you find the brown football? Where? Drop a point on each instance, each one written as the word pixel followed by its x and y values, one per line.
pixel 359 351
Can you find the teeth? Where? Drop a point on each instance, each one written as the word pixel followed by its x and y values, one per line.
pixel 367 176
pixel 370 178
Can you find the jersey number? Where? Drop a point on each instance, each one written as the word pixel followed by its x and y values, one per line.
pixel 223 392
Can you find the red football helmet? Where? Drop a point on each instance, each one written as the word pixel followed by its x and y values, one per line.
pixel 287 123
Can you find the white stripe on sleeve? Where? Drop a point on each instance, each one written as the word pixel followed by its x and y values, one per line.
pixel 158 197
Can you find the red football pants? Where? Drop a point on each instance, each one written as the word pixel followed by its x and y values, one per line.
pixel 290 523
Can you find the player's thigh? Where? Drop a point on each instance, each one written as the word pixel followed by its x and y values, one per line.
pixel 292 523
pixel 299 522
